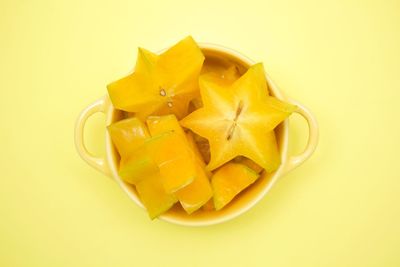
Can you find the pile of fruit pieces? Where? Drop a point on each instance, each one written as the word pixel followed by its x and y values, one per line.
pixel 193 135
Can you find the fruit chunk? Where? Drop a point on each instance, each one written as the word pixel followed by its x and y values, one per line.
pixel 195 149
pixel 175 161
pixel 137 167
pixel 153 195
pixel 127 135
pixel 199 191
pixel 176 169
pixel 239 119
pixel 223 74
pixel 162 124
pixel 161 84
pixel 204 147
pixel 230 180
pixel 249 163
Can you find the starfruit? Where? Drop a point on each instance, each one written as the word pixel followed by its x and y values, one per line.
pixel 161 84
pixel 198 192
pixel 230 180
pixel 239 119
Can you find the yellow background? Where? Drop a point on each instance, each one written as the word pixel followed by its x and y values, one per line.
pixel 339 58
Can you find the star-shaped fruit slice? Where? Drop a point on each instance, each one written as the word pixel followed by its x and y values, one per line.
pixel 239 119
pixel 161 84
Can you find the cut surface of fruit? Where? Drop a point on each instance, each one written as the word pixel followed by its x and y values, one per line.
pixel 239 119
pixel 175 161
pixel 220 74
pixel 162 124
pixel 153 196
pixel 193 146
pixel 161 84
pixel 230 180
pixel 199 191
pixel 137 167
pixel 249 163
pixel 204 147
pixel 127 135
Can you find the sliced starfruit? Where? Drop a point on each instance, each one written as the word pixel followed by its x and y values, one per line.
pixel 204 147
pixel 199 191
pixel 127 135
pixel 138 166
pixel 249 163
pixel 193 146
pixel 230 180
pixel 196 194
pixel 239 119
pixel 161 84
pixel 153 196
pixel 220 74
pixel 175 161
pixel 162 124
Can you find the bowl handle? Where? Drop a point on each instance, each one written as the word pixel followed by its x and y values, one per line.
pixel 96 162
pixel 294 161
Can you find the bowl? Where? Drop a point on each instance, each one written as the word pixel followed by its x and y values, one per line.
pixel 214 54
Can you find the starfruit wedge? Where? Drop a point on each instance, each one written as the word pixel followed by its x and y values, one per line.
pixel 239 119
pixel 161 84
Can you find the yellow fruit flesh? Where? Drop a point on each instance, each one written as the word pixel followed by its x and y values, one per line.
pixel 221 75
pixel 249 163
pixel 127 135
pixel 169 166
pixel 161 84
pixel 137 167
pixel 159 168
pixel 196 194
pixel 239 119
pixel 199 191
pixel 193 146
pixel 175 161
pixel 230 180
pixel 153 196
pixel 162 124
pixel 204 147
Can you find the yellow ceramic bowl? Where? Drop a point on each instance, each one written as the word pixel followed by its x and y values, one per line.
pixel 249 197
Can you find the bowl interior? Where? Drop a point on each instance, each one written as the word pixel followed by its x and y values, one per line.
pixel 220 58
